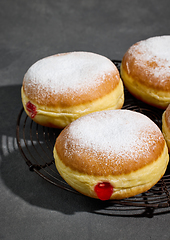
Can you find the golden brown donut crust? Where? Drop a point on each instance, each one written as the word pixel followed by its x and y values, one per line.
pixel 124 186
pixel 93 162
pixel 48 97
pixel 166 126
pixel 167 117
pixel 61 116
pixel 145 75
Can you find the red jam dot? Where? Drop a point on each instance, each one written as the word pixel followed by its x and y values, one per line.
pixel 31 108
pixel 104 190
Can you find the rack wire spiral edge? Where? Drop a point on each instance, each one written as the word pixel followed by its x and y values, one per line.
pixel 36 143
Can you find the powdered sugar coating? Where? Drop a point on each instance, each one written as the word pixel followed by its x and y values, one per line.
pixel 64 73
pixel 118 138
pixel 154 52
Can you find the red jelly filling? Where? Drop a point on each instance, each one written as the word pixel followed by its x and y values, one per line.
pixel 104 190
pixel 31 108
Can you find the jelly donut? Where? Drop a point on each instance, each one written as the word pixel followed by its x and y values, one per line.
pixel 111 154
pixel 166 126
pixel 145 71
pixel 61 88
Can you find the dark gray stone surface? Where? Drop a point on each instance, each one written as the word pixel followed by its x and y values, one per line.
pixel 30 207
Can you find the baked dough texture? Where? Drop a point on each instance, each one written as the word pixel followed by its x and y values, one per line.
pixel 166 126
pixel 64 87
pixel 121 147
pixel 145 71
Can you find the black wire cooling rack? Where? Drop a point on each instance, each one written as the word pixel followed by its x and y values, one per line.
pixel 36 144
